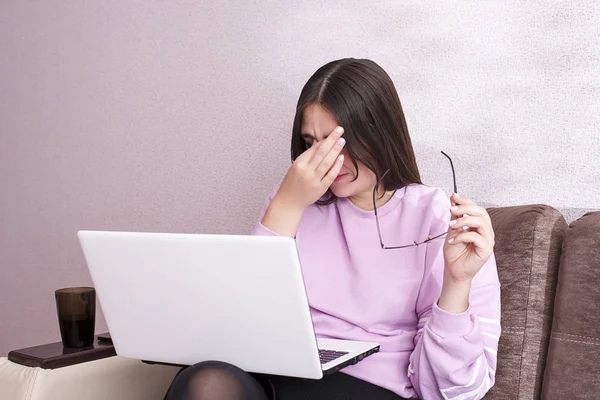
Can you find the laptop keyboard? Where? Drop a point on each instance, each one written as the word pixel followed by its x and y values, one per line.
pixel 330 355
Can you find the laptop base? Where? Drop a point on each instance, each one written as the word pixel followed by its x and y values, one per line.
pixel 329 371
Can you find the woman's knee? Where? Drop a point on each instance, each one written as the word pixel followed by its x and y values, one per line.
pixel 214 379
pixel 206 370
pixel 215 366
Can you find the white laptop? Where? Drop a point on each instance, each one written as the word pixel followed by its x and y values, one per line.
pixel 184 298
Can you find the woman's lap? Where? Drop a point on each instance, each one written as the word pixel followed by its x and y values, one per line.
pixel 332 387
pixel 338 386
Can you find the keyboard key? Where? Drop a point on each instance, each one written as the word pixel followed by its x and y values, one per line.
pixel 330 355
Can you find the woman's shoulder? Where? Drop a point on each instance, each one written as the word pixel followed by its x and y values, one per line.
pixel 426 196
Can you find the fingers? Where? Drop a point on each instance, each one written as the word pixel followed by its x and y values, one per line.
pixel 458 199
pixel 334 171
pixel 330 158
pixel 308 154
pixel 470 237
pixel 334 143
pixel 465 213
pixel 478 224
pixel 471 208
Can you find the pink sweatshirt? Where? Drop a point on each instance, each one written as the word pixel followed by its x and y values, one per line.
pixel 359 291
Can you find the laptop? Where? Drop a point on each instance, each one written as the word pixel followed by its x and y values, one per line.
pixel 178 298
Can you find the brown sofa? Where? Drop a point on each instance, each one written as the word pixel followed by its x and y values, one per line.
pixel 550 342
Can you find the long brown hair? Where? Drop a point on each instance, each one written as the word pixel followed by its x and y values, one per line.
pixel 364 101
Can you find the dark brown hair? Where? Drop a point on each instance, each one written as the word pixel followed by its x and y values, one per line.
pixel 364 101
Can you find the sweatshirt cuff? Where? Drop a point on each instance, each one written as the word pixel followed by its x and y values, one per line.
pixel 262 230
pixel 446 324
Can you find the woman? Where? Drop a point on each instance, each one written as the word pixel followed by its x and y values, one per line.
pixel 434 308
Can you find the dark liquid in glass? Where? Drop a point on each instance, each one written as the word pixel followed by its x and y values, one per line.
pixel 77 330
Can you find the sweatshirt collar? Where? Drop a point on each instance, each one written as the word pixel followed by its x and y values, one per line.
pixel 392 203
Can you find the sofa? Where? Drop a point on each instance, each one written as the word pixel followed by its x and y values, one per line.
pixel 549 347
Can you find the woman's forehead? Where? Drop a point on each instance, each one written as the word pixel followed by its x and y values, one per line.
pixel 317 122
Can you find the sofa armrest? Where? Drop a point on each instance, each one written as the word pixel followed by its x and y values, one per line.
pixel 572 370
pixel 528 246
pixel 112 378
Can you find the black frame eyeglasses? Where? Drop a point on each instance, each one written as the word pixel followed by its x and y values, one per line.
pixel 415 243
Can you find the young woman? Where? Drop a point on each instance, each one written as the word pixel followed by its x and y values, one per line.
pixel 354 202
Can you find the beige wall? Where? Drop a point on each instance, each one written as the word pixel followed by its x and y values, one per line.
pixel 174 116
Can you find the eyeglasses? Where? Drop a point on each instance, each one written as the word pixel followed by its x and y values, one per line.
pixel 415 243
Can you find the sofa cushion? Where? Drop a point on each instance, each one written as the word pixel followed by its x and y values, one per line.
pixel 528 247
pixel 573 367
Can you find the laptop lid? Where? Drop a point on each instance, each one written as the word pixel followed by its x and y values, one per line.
pixel 183 298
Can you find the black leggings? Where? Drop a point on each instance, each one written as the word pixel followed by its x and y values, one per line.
pixel 213 380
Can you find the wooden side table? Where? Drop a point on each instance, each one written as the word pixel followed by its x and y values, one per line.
pixel 54 355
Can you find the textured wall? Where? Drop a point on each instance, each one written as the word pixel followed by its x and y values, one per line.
pixel 175 116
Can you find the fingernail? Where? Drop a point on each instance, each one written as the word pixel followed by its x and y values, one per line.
pixel 454 208
pixel 453 222
pixel 451 240
pixel 465 227
pixel 456 195
pixel 339 129
pixel 341 142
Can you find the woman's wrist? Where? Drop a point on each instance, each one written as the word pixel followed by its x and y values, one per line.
pixel 455 296
pixel 283 216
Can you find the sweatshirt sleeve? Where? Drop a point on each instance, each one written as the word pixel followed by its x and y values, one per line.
pixel 455 354
pixel 259 229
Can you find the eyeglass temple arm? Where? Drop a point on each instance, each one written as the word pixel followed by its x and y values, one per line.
pixel 375 208
pixel 453 173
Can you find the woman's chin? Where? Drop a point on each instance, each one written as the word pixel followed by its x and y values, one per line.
pixel 341 190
